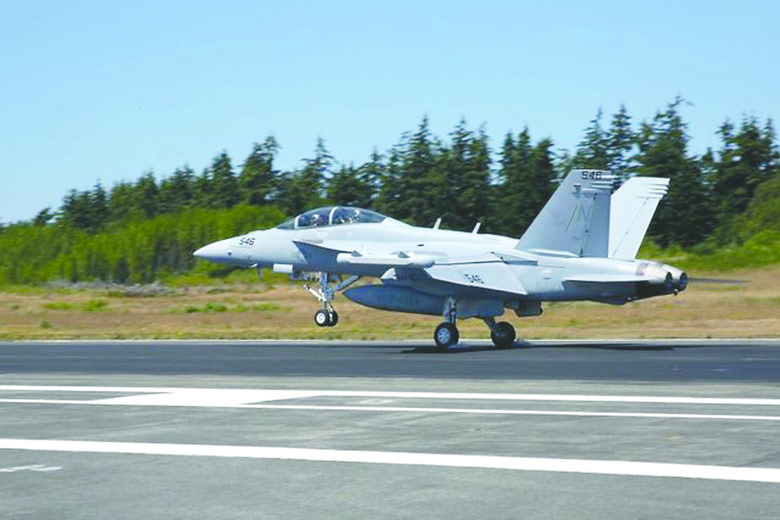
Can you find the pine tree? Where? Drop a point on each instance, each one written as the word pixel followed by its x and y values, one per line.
pixel 371 174
pixel 204 190
pixel 146 195
pixel 177 191
pixel 414 187
pixel 99 211
pixel 543 175
pixel 518 188
pixel 121 202
pixel 747 158
pixel 76 210
pixel 593 150
pixel 225 192
pixel 303 190
pixel 684 216
pixel 347 188
pixel 620 141
pixel 474 191
pixel 389 195
pixel 420 201
pixel 258 177
pixel 43 217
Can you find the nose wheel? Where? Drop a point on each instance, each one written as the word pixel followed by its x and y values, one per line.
pixel 326 318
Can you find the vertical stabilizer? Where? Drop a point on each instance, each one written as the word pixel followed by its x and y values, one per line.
pixel 632 209
pixel 576 218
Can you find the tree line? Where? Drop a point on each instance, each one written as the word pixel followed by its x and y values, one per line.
pixel 136 230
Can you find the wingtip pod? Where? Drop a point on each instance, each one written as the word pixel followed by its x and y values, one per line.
pixel 576 218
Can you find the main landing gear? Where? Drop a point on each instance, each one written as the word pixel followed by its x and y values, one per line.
pixel 502 333
pixel 446 334
pixel 325 292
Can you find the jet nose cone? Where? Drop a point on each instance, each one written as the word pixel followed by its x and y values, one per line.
pixel 214 252
pixel 203 252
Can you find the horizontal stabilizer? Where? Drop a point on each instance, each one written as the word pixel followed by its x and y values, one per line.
pixel 632 209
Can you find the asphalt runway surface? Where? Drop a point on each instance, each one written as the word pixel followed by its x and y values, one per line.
pixel 276 429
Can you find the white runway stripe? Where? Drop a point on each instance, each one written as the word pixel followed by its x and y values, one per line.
pixel 489 411
pixel 255 395
pixel 601 467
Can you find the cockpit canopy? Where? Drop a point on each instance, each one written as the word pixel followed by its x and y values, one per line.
pixel 332 216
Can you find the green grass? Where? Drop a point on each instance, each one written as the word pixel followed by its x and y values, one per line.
pixel 268 307
pixel 206 274
pixel 762 249
pixel 240 307
pixel 209 307
pixel 58 306
pixel 94 305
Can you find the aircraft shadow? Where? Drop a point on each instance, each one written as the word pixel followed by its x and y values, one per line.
pixel 463 349
pixel 524 345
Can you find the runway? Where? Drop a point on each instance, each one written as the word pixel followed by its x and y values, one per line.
pixel 552 429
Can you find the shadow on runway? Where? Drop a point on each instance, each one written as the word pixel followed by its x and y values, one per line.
pixel 461 349
pixel 525 345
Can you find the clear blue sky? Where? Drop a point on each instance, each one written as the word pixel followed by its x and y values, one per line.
pixel 106 90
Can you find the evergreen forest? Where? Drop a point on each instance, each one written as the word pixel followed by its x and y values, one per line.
pixel 726 198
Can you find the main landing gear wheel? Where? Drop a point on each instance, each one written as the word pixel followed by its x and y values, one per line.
pixel 503 334
pixel 446 335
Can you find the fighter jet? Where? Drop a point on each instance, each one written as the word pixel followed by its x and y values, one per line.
pixel 581 246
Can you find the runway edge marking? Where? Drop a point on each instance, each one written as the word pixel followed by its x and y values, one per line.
pixel 600 467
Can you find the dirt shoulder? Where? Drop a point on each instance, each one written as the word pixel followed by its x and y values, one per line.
pixel 255 311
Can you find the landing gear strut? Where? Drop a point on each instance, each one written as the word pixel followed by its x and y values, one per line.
pixel 327 315
pixel 446 334
pixel 502 333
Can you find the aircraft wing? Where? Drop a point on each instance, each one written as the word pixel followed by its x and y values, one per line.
pixel 488 274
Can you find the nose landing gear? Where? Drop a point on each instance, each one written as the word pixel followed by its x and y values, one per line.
pixel 327 315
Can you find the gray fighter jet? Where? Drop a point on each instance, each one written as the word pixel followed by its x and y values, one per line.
pixel 581 246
